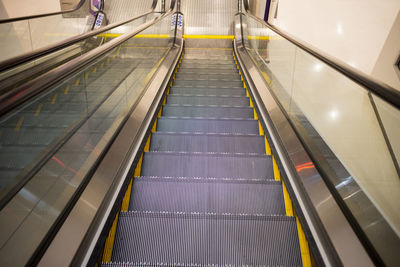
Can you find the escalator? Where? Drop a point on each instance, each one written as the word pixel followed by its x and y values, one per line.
pixel 163 147
pixel 207 191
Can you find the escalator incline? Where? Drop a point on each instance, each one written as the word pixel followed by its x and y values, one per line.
pixel 206 193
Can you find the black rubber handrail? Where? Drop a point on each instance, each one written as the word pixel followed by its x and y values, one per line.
pixel 24 92
pixel 78 6
pixel 384 91
pixel 21 59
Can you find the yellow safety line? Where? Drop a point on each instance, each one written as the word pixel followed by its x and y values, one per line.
pixel 19 123
pixel 113 35
pixel 304 248
pixel 147 47
pixel 107 252
pixel 94 70
pixel 102 64
pixel 255 114
pixel 147 145
pixel 86 75
pixel 66 89
pixel 250 37
pixel 39 108
pixel 260 128
pixel 267 78
pixel 194 36
pixel 208 48
pixel 138 168
pixel 111 235
pixel 288 202
pixel 77 81
pixel 277 173
pixel 53 100
pixel 267 146
pixel 127 197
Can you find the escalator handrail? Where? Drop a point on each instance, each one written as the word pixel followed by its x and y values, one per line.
pixel 78 6
pixel 384 91
pixel 24 58
pixel 41 83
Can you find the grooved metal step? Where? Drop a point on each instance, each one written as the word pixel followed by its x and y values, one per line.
pixel 242 166
pixel 186 125
pixel 182 70
pixel 212 240
pixel 198 76
pixel 218 143
pixel 208 100
pixel 208 111
pixel 208 91
pixel 219 60
pixel 208 66
pixel 207 196
pixel 209 83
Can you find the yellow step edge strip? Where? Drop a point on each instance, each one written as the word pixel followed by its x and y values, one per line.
pixel 107 253
pixel 138 168
pixel 127 197
pixel 277 173
pixel 147 145
pixel 194 36
pixel 288 202
pixel 304 248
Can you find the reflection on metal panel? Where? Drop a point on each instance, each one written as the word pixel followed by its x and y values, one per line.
pixel 214 17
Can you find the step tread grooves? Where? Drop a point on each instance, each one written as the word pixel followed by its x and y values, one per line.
pixel 252 166
pixel 202 239
pixel 207 143
pixel 178 195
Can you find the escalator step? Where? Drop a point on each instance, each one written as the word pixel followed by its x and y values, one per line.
pixel 208 91
pixel 207 196
pixel 182 70
pixel 219 60
pixel 206 239
pixel 198 76
pixel 208 66
pixel 219 143
pixel 208 111
pixel 235 126
pixel 208 100
pixel 242 166
pixel 209 83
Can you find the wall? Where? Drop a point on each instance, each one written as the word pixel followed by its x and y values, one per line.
pixel 354 31
pixel 18 8
pixel 209 17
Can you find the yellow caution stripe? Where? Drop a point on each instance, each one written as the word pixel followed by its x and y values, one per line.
pixel 194 36
pixel 107 252
pixel 113 35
